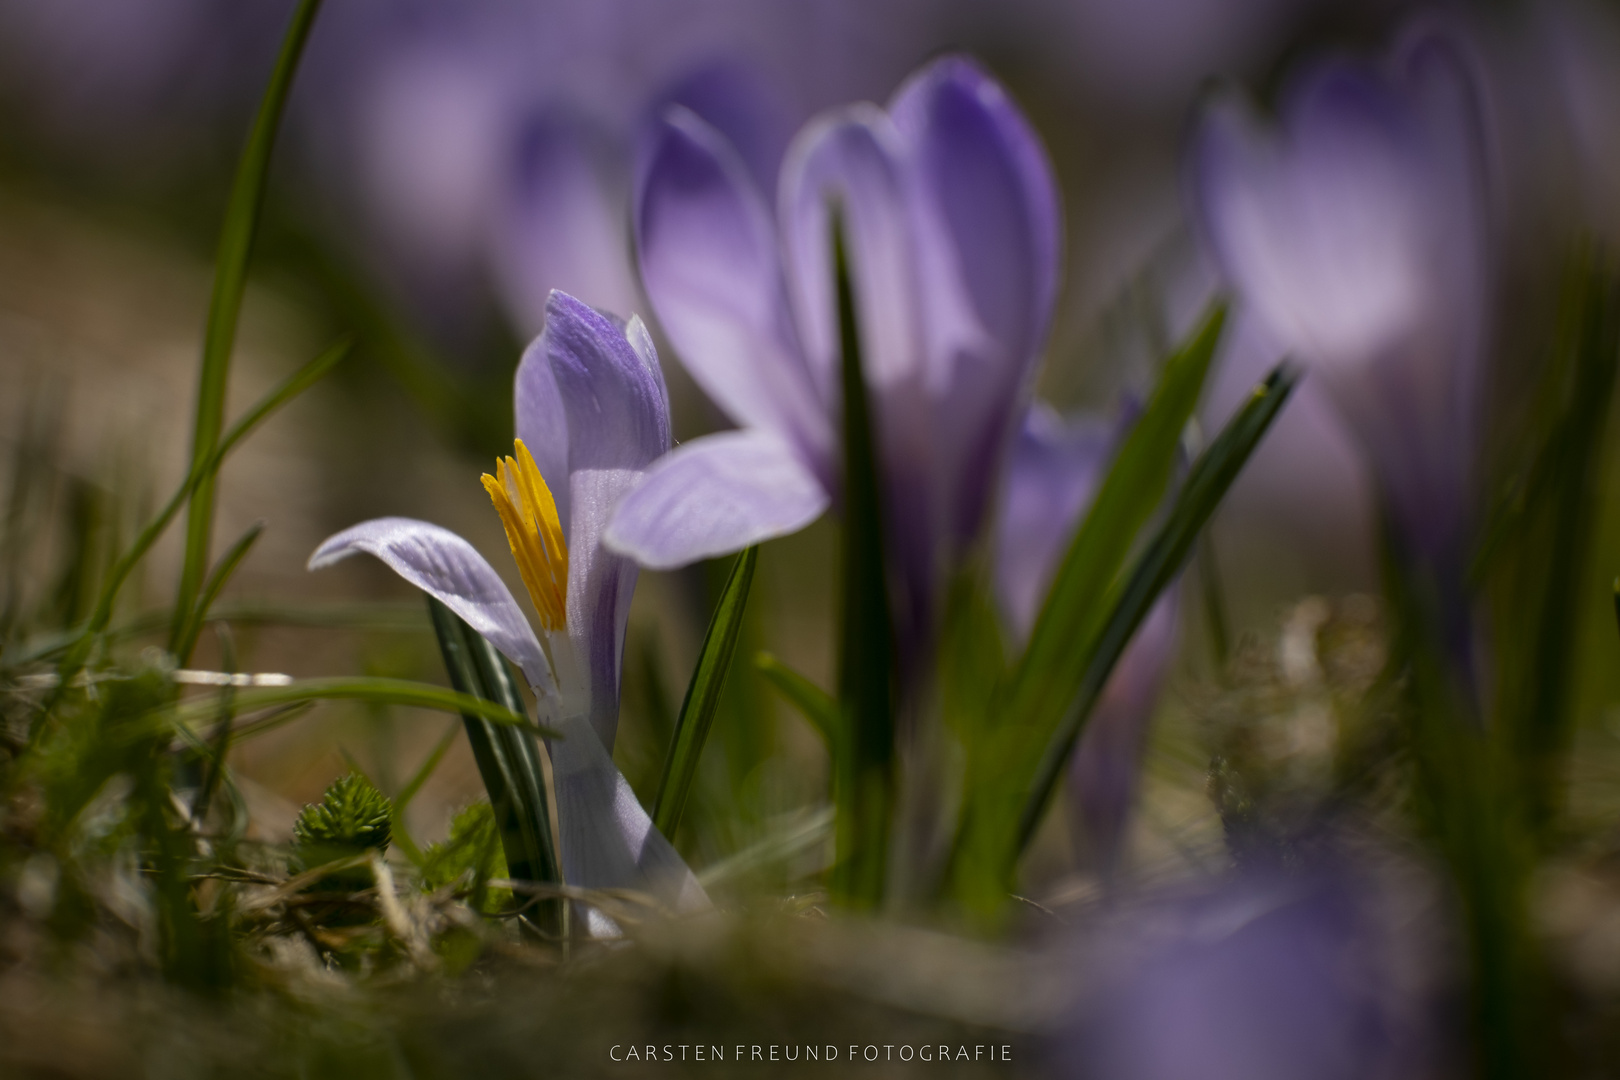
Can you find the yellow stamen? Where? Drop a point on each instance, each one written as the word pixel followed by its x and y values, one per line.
pixel 534 531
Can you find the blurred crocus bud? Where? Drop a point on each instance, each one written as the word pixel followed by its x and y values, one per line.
pixel 1265 978
pixel 1052 475
pixel 1355 232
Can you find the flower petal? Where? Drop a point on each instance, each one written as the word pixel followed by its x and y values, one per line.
pixel 1106 770
pixel 989 232
pixel 852 157
pixel 984 177
pixel 710 266
pixel 716 495
pixel 612 394
pixel 562 221
pixel 1052 473
pixel 445 566
pixel 608 841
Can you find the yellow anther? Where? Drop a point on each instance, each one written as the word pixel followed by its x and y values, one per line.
pixel 534 531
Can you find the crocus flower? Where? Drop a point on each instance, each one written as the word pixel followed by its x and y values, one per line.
pixel 1264 978
pixel 1356 234
pixel 953 227
pixel 1052 476
pixel 592 412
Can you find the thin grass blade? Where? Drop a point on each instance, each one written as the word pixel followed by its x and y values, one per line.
pixel 242 213
pixel 864 758
pixel 812 702
pixel 703 695
pixel 216 581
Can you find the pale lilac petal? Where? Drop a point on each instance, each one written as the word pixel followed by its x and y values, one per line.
pixel 1052 473
pixel 852 158
pixel 983 174
pixel 716 495
pixel 542 423
pixel 446 567
pixel 710 266
pixel 1358 235
pixel 608 841
pixel 989 235
pixel 617 408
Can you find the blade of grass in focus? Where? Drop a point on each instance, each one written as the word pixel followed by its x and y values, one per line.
pixel 218 578
pixel 864 755
pixel 413 786
pixel 508 761
pixel 362 688
pixel 703 695
pixel 300 381
pixel 242 215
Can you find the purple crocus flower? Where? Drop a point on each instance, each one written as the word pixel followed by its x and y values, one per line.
pixel 592 413
pixel 1264 978
pixel 954 231
pixel 1052 476
pixel 1357 235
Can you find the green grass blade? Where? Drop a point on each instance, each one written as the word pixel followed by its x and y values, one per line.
pixel 1046 676
pixel 1206 486
pixel 508 760
pixel 301 380
pixel 242 214
pixel 216 581
pixel 1545 555
pixel 864 759
pixel 812 702
pixel 413 786
pixel 361 688
pixel 703 695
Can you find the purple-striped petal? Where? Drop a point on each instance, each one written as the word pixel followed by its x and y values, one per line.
pixel 710 266
pixel 1052 472
pixel 989 234
pixel 445 566
pixel 984 178
pixel 715 495
pixel 611 392
pixel 608 841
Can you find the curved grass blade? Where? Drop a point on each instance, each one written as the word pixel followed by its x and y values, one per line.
pixel 508 760
pixel 812 702
pixel 297 383
pixel 216 581
pixel 413 786
pixel 359 688
pixel 703 695
pixel 864 759
pixel 242 213
pixel 1157 567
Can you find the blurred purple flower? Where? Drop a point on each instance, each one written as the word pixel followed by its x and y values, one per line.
pixel 1357 236
pixel 1052 475
pixel 954 232
pixel 1267 978
pixel 592 413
